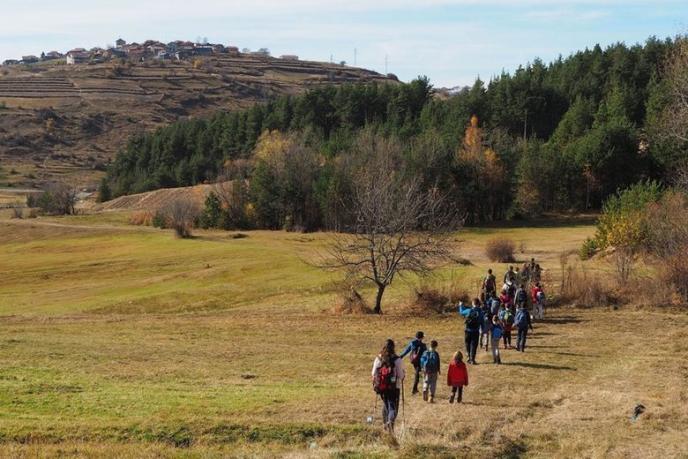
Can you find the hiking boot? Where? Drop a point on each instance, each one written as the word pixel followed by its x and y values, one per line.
pixel 451 399
pixel 459 399
pixel 425 395
pixel 432 399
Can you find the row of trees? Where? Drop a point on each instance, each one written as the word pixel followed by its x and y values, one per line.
pixel 545 138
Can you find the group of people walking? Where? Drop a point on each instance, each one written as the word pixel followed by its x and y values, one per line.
pixel 488 321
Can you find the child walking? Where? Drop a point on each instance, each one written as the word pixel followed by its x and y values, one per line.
pixel 497 332
pixel 457 377
pixel 507 318
pixel 430 363
pixel 485 326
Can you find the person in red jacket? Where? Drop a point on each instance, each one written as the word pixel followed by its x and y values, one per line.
pixel 506 299
pixel 535 291
pixel 538 297
pixel 457 377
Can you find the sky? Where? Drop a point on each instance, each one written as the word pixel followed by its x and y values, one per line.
pixel 450 41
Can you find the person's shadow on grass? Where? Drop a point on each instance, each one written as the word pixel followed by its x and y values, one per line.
pixel 540 366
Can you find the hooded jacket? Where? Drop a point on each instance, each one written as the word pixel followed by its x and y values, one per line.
pixel 457 375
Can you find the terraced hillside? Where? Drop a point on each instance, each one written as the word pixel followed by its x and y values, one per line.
pixel 68 121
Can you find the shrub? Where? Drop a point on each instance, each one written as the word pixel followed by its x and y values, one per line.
pixel 584 289
pixel 180 215
pixel 351 302
pixel 104 191
pixel 159 220
pixel 17 212
pixel 141 218
pixel 437 297
pixel 57 199
pixel 430 299
pixel 621 222
pixel 500 250
pixel 212 215
pixel 674 272
pixel 588 249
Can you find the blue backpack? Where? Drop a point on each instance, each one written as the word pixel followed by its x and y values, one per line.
pixel 495 306
pixel 432 361
pixel 521 318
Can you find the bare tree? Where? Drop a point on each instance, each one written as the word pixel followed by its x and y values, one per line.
pixel 179 215
pixel 399 229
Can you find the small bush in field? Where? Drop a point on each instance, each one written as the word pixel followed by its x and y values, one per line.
pixel 159 220
pixel 588 249
pixel 431 299
pixel 143 218
pixel 180 215
pixel 500 250
pixel 17 212
pixel 351 302
pixel 586 290
pixel 674 272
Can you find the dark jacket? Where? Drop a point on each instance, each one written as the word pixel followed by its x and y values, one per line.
pixel 525 323
pixel 412 346
pixel 466 310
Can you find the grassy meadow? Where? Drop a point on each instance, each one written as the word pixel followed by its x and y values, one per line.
pixel 124 341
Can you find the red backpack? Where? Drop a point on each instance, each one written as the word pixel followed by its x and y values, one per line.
pixel 385 378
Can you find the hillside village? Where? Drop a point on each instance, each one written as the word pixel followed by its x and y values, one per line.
pixel 150 50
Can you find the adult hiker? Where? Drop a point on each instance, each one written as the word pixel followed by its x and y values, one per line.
pixel 538 298
pixel 416 347
pixel 532 265
pixel 522 322
pixel 490 285
pixel 506 299
pixel 457 377
pixel 430 362
pixel 494 306
pixel 510 280
pixel 521 296
pixel 509 275
pixel 506 316
pixel 388 376
pixel 525 273
pixel 537 273
pixel 474 318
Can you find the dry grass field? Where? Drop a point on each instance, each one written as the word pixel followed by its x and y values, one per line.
pixel 126 342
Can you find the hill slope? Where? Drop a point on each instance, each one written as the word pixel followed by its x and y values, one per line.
pixel 60 120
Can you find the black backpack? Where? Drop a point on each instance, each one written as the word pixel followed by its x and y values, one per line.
pixel 473 318
pixel 417 353
pixel 522 296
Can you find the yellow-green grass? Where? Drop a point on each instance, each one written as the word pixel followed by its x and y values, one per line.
pixel 127 342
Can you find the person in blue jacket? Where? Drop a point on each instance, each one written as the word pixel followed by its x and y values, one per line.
pixel 523 322
pixel 474 318
pixel 416 347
